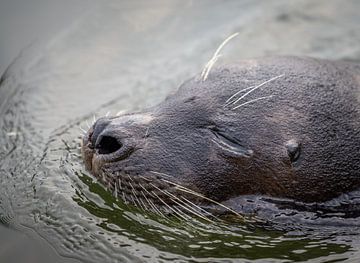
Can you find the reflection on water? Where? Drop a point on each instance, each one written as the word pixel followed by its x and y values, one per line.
pixel 126 56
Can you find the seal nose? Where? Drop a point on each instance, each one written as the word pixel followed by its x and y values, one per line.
pixel 107 144
pixel 104 144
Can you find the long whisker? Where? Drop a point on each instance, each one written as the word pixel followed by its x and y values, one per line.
pixel 135 195
pixel 145 206
pixel 181 212
pixel 169 207
pixel 154 186
pixel 256 87
pixel 186 190
pixel 224 43
pixel 132 197
pixel 120 185
pixel 168 194
pixel 115 190
pixel 179 200
pixel 198 207
pixel 81 128
pixel 124 198
pixel 228 101
pixel 251 101
pixel 134 192
pixel 190 209
pixel 211 62
pixel 158 173
pixel 149 201
pixel 130 178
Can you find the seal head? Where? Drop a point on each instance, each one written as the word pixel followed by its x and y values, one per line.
pixel 282 127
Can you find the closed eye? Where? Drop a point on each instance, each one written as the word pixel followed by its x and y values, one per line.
pixel 230 144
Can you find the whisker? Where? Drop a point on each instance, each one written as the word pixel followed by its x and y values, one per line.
pixel 251 101
pixel 228 101
pixel 187 208
pixel 158 210
pixel 81 128
pixel 172 197
pixel 124 198
pixel 182 213
pixel 147 200
pixel 206 67
pixel 169 207
pixel 198 207
pixel 120 185
pixel 192 211
pixel 136 197
pixel 107 114
pixel 150 202
pixel 256 87
pixel 134 192
pixel 186 190
pixel 158 173
pixel 130 178
pixel 94 119
pixel 145 207
pixel 120 112
pixel 115 190
pixel 224 43
pixel 211 62
pixel 132 197
pixel 146 179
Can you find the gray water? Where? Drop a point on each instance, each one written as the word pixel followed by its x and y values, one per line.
pixel 71 60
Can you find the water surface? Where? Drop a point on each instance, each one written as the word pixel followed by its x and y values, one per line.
pixel 114 56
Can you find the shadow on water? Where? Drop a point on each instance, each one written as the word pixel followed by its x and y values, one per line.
pixel 127 56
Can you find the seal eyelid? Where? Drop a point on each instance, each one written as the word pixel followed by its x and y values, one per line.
pixel 231 145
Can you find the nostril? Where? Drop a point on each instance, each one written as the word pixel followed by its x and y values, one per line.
pixel 97 129
pixel 107 145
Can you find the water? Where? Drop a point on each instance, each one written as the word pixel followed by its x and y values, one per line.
pixel 110 56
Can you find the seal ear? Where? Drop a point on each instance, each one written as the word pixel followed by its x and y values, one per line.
pixel 230 145
pixel 294 149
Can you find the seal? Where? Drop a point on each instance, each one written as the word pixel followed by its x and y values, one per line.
pixel 284 127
